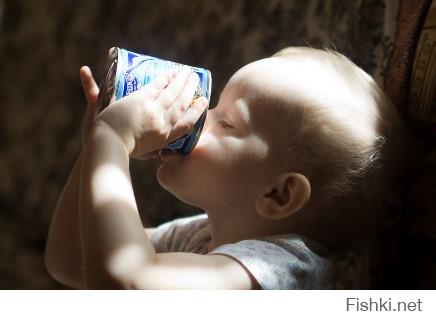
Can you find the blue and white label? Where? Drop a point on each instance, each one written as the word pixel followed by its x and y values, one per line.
pixel 136 70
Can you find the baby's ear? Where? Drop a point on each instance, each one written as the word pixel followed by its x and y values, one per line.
pixel 287 195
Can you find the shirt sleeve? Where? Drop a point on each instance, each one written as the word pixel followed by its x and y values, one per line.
pixel 177 235
pixel 281 263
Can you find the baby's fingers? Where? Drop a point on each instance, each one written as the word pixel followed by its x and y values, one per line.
pixel 89 86
pixel 174 88
pixel 155 88
pixel 182 103
pixel 187 122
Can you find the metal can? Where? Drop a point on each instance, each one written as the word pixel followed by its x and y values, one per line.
pixel 127 71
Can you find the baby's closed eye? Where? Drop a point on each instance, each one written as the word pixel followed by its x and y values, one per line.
pixel 224 124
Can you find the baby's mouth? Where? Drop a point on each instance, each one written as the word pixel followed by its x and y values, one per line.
pixel 167 153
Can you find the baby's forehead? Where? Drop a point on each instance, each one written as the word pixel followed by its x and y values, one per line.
pixel 260 93
pixel 268 83
pixel 277 90
pixel 298 80
pixel 258 76
pixel 277 75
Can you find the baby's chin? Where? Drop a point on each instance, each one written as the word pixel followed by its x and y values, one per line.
pixel 169 179
pixel 164 175
pixel 176 185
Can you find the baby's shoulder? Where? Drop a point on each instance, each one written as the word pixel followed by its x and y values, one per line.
pixel 189 234
pixel 282 262
pixel 287 247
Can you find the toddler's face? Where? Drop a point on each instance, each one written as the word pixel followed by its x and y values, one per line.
pixel 233 161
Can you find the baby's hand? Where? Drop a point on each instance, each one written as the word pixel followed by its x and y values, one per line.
pixel 149 119
pixel 91 90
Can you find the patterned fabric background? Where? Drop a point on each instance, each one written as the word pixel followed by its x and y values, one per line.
pixel 419 242
pixel 43 43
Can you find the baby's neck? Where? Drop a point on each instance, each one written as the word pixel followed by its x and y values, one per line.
pixel 222 232
pixel 239 226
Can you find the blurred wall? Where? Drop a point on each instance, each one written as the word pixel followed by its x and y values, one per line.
pixel 43 44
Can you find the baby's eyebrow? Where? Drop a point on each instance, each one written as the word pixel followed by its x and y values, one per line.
pixel 241 110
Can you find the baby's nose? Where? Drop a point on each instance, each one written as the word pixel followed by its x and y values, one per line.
pixel 204 133
pixel 208 121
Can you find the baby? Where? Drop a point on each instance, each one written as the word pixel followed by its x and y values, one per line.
pixel 292 171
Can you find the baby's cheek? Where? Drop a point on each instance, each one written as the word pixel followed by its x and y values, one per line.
pixel 203 140
pixel 220 152
pixel 259 147
pixel 207 144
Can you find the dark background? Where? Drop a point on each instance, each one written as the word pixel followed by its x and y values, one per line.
pixel 43 44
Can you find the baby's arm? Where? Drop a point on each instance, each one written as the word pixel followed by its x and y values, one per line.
pixel 63 254
pixel 116 253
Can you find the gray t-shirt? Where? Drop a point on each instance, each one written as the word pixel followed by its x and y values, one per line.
pixel 276 262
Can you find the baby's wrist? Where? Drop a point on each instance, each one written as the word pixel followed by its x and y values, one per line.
pixel 107 131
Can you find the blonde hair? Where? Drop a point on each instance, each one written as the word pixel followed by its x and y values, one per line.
pixel 353 150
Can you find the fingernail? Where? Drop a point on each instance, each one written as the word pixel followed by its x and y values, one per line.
pixel 185 69
pixel 173 71
pixel 203 101
pixel 194 75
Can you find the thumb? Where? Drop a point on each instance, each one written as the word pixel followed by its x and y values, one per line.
pixel 89 86
pixel 187 122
